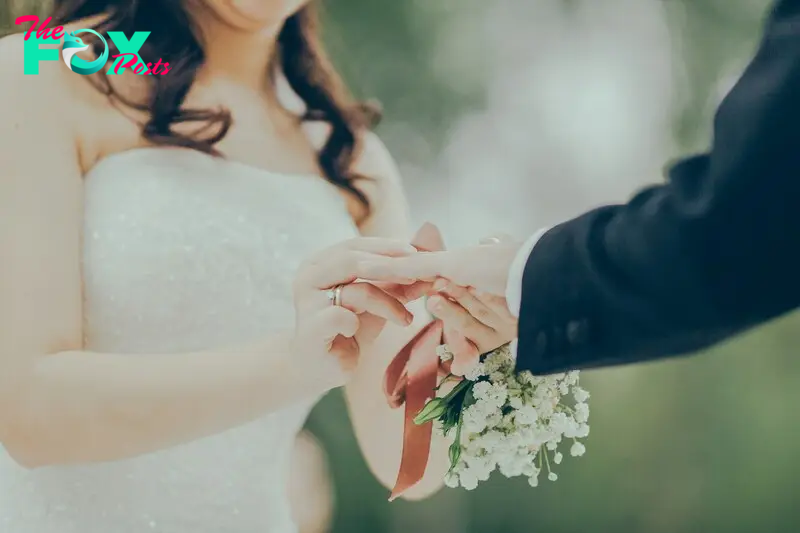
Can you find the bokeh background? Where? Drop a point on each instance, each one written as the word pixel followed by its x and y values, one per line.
pixel 514 114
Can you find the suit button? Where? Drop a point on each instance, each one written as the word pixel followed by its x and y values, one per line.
pixel 577 332
pixel 540 344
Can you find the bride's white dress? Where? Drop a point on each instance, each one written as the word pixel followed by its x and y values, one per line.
pixel 185 252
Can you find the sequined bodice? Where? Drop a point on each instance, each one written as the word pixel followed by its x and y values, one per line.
pixel 184 252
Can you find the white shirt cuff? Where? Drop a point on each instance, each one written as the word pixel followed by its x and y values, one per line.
pixel 516 271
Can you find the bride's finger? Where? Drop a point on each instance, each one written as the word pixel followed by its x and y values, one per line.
pixel 378 246
pixel 346 350
pixel 426 266
pixel 365 297
pixel 333 322
pixel 340 266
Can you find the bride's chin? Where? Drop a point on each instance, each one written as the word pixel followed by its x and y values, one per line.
pixel 254 15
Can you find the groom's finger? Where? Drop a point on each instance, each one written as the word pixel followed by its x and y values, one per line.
pixel 428 239
pixel 496 303
pixel 465 353
pixel 456 317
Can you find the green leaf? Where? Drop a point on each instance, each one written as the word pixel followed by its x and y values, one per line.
pixel 469 399
pixel 432 410
pixel 458 389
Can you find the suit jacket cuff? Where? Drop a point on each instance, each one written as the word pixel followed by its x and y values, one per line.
pixel 516 272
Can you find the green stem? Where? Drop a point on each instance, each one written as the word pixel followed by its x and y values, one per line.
pixel 456 443
pixel 458 388
pixel 444 380
pixel 546 459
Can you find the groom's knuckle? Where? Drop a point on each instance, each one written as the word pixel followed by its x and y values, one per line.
pixel 466 321
pixel 482 313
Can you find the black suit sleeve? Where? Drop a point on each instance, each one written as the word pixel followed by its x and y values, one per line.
pixel 711 253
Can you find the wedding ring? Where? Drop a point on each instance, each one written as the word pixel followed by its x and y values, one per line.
pixel 335 295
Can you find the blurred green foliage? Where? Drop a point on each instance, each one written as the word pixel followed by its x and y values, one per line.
pixel 701 444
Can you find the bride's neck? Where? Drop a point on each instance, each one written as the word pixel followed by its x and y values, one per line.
pixel 236 55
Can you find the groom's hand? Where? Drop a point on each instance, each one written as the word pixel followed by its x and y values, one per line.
pixel 484 267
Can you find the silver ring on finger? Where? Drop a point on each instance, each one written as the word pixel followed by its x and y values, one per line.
pixel 335 296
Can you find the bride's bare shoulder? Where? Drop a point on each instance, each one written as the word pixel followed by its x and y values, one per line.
pixel 55 97
pixel 45 85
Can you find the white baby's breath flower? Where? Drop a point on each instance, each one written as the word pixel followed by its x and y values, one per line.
pixel 515 422
pixel 468 480
pixel 526 415
pixel 475 372
pixel 481 390
pixel 581 412
pixel 580 395
pixel 577 449
pixel 473 419
pixel 444 353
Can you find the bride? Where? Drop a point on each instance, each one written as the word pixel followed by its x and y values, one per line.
pixel 164 320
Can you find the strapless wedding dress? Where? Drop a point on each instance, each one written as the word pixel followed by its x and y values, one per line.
pixel 183 252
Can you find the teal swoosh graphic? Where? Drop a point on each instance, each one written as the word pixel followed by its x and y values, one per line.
pixel 81 66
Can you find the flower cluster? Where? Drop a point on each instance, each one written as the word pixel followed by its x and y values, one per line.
pixel 508 421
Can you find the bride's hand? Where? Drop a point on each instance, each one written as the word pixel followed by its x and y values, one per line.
pixel 474 323
pixel 328 336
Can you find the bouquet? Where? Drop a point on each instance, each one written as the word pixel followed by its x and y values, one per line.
pixel 507 421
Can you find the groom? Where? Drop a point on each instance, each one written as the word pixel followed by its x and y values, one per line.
pixel 711 253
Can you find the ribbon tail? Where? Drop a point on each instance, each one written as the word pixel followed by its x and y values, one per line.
pixel 413 376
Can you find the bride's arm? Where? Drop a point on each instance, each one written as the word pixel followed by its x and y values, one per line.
pixel 378 428
pixel 59 403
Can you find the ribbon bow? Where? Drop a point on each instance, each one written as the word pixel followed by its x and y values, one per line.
pixel 411 379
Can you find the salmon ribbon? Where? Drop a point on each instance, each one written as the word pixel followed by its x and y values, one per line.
pixel 411 379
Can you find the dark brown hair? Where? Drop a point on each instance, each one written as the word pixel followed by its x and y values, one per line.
pixel 174 37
